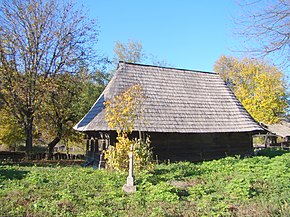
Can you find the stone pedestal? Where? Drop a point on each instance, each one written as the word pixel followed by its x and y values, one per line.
pixel 129 187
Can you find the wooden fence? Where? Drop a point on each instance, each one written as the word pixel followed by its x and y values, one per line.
pixel 281 145
pixel 7 156
pixel 11 156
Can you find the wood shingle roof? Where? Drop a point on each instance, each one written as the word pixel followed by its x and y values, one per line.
pixel 177 100
pixel 280 129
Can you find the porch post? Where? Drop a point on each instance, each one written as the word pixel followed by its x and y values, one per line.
pixel 87 145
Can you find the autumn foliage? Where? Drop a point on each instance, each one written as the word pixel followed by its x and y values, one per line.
pixel 121 114
pixel 124 109
pixel 259 86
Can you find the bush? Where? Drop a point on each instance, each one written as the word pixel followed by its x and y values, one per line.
pixel 117 157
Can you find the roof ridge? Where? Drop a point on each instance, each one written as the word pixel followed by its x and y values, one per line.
pixel 166 67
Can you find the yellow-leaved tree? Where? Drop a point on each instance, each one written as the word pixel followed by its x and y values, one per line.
pixel 259 86
pixel 121 113
pixel 11 133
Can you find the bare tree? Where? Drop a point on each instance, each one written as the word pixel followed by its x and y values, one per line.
pixel 132 52
pixel 38 40
pixel 266 24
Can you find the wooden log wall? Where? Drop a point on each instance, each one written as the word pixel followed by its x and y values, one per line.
pixel 190 146
pixel 197 147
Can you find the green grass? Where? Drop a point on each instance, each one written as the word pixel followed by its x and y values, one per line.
pixel 257 186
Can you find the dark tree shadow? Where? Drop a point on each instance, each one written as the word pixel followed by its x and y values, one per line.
pixel 271 152
pixel 47 163
pixel 11 174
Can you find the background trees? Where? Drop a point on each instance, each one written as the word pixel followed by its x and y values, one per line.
pixel 132 52
pixel 58 110
pixel 259 86
pixel 266 25
pixel 65 103
pixel 11 132
pixel 38 40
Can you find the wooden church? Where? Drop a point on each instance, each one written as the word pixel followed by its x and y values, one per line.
pixel 189 115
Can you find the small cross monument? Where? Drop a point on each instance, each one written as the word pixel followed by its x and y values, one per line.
pixel 129 187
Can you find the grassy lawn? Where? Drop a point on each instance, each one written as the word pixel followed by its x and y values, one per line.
pixel 257 186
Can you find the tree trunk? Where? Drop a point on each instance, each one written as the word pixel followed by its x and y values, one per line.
pixel 51 146
pixel 29 134
pixel 54 142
